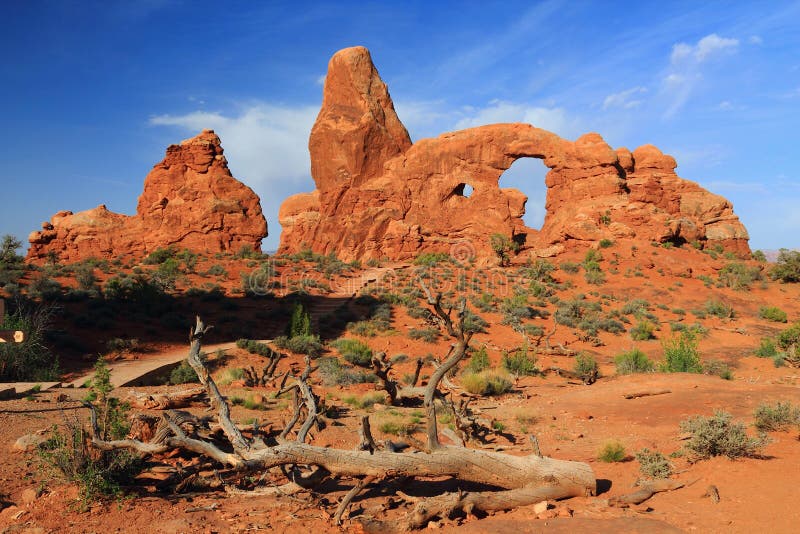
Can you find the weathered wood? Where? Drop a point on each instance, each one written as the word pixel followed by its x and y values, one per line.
pixel 647 393
pixel 166 401
pixel 647 490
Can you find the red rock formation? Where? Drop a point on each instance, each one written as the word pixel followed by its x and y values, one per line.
pixel 380 196
pixel 190 200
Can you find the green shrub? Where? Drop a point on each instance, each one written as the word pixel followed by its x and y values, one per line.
pixel 787 266
pixel 636 307
pixel 540 271
pixel 718 368
pixel 643 331
pixel 681 354
pixel 633 361
pixel 474 323
pixel 719 435
pixel 354 351
pixel 767 348
pixel 595 277
pixel 569 267
pixel 586 367
pixel 428 335
pixel 612 451
pixel 160 255
pixel 430 259
pixel 503 246
pixel 333 373
pixel 300 322
pixel 478 361
pixel 605 243
pixel 738 276
pixel 653 464
pixel 216 270
pixel 310 345
pixel 520 362
pixel 30 360
pixel 719 309
pixel 773 313
pixel 776 417
pixel 367 400
pixel 99 474
pixel 488 383
pixel 183 374
pixel 12 266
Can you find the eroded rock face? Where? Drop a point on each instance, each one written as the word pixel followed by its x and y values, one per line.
pixel 190 200
pixel 378 195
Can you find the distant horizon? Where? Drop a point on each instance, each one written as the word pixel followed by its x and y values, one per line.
pixel 97 93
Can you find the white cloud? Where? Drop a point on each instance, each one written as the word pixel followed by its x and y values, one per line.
pixel 554 119
pixel 624 99
pixel 755 40
pixel 321 79
pixel 266 146
pixel 686 68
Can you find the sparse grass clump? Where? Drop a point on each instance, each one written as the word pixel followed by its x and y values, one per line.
pixel 365 401
pixel 310 344
pixel 333 373
pixel 773 313
pixel 643 331
pixel 488 383
pixel 354 351
pixel 719 435
pixel 428 335
pixel 520 362
pixel 776 417
pixel 586 367
pixel 719 309
pixel 633 361
pixel 681 354
pixel 183 374
pixel 738 276
pixel 612 451
pixel 653 464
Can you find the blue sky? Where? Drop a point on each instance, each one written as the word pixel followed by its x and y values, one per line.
pixel 93 92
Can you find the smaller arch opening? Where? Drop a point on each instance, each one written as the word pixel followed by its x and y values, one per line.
pixel 463 190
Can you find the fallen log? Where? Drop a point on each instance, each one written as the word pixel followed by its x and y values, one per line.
pixel 166 401
pixel 647 490
pixel 647 394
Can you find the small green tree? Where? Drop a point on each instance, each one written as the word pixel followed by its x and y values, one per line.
pixel 12 265
pixel 681 354
pixel 787 266
pixel 503 246
pixel 300 322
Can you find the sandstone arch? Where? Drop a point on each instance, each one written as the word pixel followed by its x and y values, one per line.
pixel 379 195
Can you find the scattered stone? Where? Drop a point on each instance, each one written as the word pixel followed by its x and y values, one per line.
pixel 540 507
pixel 28 443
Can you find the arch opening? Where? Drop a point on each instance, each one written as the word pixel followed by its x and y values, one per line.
pixel 527 175
pixel 462 190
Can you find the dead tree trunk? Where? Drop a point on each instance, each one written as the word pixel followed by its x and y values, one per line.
pixel 526 479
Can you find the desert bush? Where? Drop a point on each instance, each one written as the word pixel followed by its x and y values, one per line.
pixel 739 276
pixel 789 343
pixel 586 366
pixel 595 277
pixel 767 348
pixel 431 259
pixel 44 287
pixel 681 354
pixel 310 345
pixel 787 266
pixel 367 400
pixel 12 265
pixel 612 451
pixel 773 313
pixel 216 270
pixel 719 309
pixel 605 243
pixel 478 361
pixel 160 255
pixel 488 383
pixel 636 307
pixel 248 402
pixel 718 368
pixel 428 335
pixel 84 275
pixel 643 331
pixel 333 373
pixel 653 464
pixel 183 374
pixel 503 246
pixel 776 417
pixel 255 347
pixel 99 474
pixel 30 360
pixel 719 435
pixel 231 374
pixel 520 362
pixel 299 322
pixel 569 267
pixel 633 361
pixel 474 323
pixel 540 270
pixel 354 351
